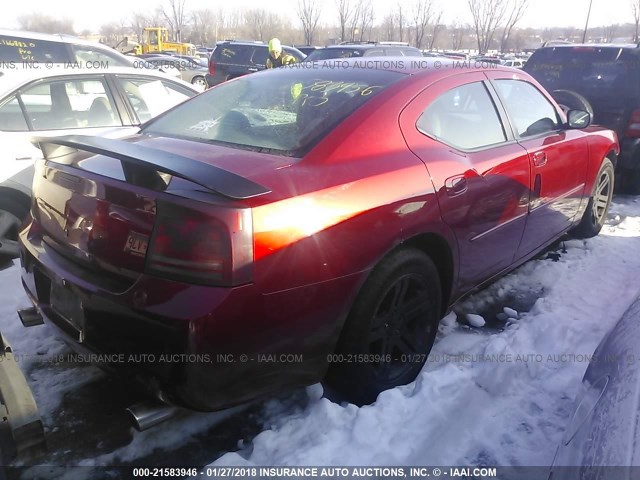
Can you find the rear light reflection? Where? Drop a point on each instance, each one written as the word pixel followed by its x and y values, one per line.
pixel 633 130
pixel 194 247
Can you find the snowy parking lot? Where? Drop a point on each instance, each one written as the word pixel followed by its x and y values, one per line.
pixel 495 394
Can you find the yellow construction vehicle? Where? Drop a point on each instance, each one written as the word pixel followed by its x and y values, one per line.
pixel 156 39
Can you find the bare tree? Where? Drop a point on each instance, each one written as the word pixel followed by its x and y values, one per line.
pixel 436 29
pixel 387 29
pixel 345 12
pixel 487 16
pixel 257 19
pixel 517 10
pixel 635 6
pixel 204 26
pixel 37 22
pixel 176 18
pixel 365 18
pixel 458 32
pixel 422 16
pixel 309 15
pixel 401 21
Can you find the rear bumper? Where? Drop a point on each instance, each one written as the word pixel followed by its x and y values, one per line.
pixel 205 348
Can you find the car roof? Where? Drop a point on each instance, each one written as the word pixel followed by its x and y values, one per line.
pixel 367 46
pixel 54 37
pixel 626 46
pixel 12 79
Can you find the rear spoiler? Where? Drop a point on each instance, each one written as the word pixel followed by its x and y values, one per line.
pixel 208 176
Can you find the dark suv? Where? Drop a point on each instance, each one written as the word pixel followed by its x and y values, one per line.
pixel 604 80
pixel 364 49
pixel 234 58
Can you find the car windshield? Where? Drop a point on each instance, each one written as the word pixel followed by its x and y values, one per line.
pixel 592 71
pixel 328 53
pixel 286 111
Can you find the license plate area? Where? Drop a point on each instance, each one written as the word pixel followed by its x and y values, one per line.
pixel 137 244
pixel 68 305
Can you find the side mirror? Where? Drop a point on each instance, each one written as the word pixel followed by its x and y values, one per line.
pixel 578 119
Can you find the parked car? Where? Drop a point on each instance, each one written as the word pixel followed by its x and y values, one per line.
pixel 109 102
pixel 30 48
pixel 603 429
pixel 234 58
pixel 265 235
pixel 363 49
pixel 188 70
pixel 604 80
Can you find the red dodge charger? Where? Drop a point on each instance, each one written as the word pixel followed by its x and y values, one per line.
pixel 305 223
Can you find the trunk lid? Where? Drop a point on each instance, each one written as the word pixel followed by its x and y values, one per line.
pixel 99 202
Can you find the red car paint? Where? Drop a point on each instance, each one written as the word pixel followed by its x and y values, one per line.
pixel 371 185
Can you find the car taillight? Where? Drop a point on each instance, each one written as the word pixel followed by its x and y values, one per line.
pixel 633 130
pixel 193 247
pixel 212 67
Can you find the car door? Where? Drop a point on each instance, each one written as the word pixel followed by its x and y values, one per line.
pixel 558 159
pixel 480 173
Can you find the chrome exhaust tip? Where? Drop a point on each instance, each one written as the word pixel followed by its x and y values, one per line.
pixel 30 317
pixel 149 414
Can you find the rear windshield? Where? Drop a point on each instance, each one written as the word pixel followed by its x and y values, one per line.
pixel 18 49
pixel 592 71
pixel 328 53
pixel 284 111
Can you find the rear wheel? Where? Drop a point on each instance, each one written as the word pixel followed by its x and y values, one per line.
pixel 598 206
pixel 390 330
pixel 200 81
pixel 12 213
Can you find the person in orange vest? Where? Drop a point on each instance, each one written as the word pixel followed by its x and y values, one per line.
pixel 277 57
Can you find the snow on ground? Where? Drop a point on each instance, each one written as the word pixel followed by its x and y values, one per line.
pixel 500 394
pixel 500 398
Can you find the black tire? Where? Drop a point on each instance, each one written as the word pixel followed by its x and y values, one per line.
pixel 596 212
pixel 12 213
pixel 199 81
pixel 572 101
pixel 396 314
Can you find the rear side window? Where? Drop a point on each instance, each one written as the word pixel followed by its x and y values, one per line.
pixel 294 54
pixel 464 117
pixel 233 54
pixel 530 111
pixel 63 104
pixel 17 49
pixel 283 111
pixel 409 52
pixel 595 72
pixel 260 55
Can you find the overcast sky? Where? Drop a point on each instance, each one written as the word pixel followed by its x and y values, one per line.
pixel 90 15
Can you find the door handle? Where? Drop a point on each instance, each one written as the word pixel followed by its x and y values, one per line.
pixel 455 185
pixel 252 69
pixel 540 159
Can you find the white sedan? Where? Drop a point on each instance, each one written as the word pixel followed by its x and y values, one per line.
pixel 61 101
